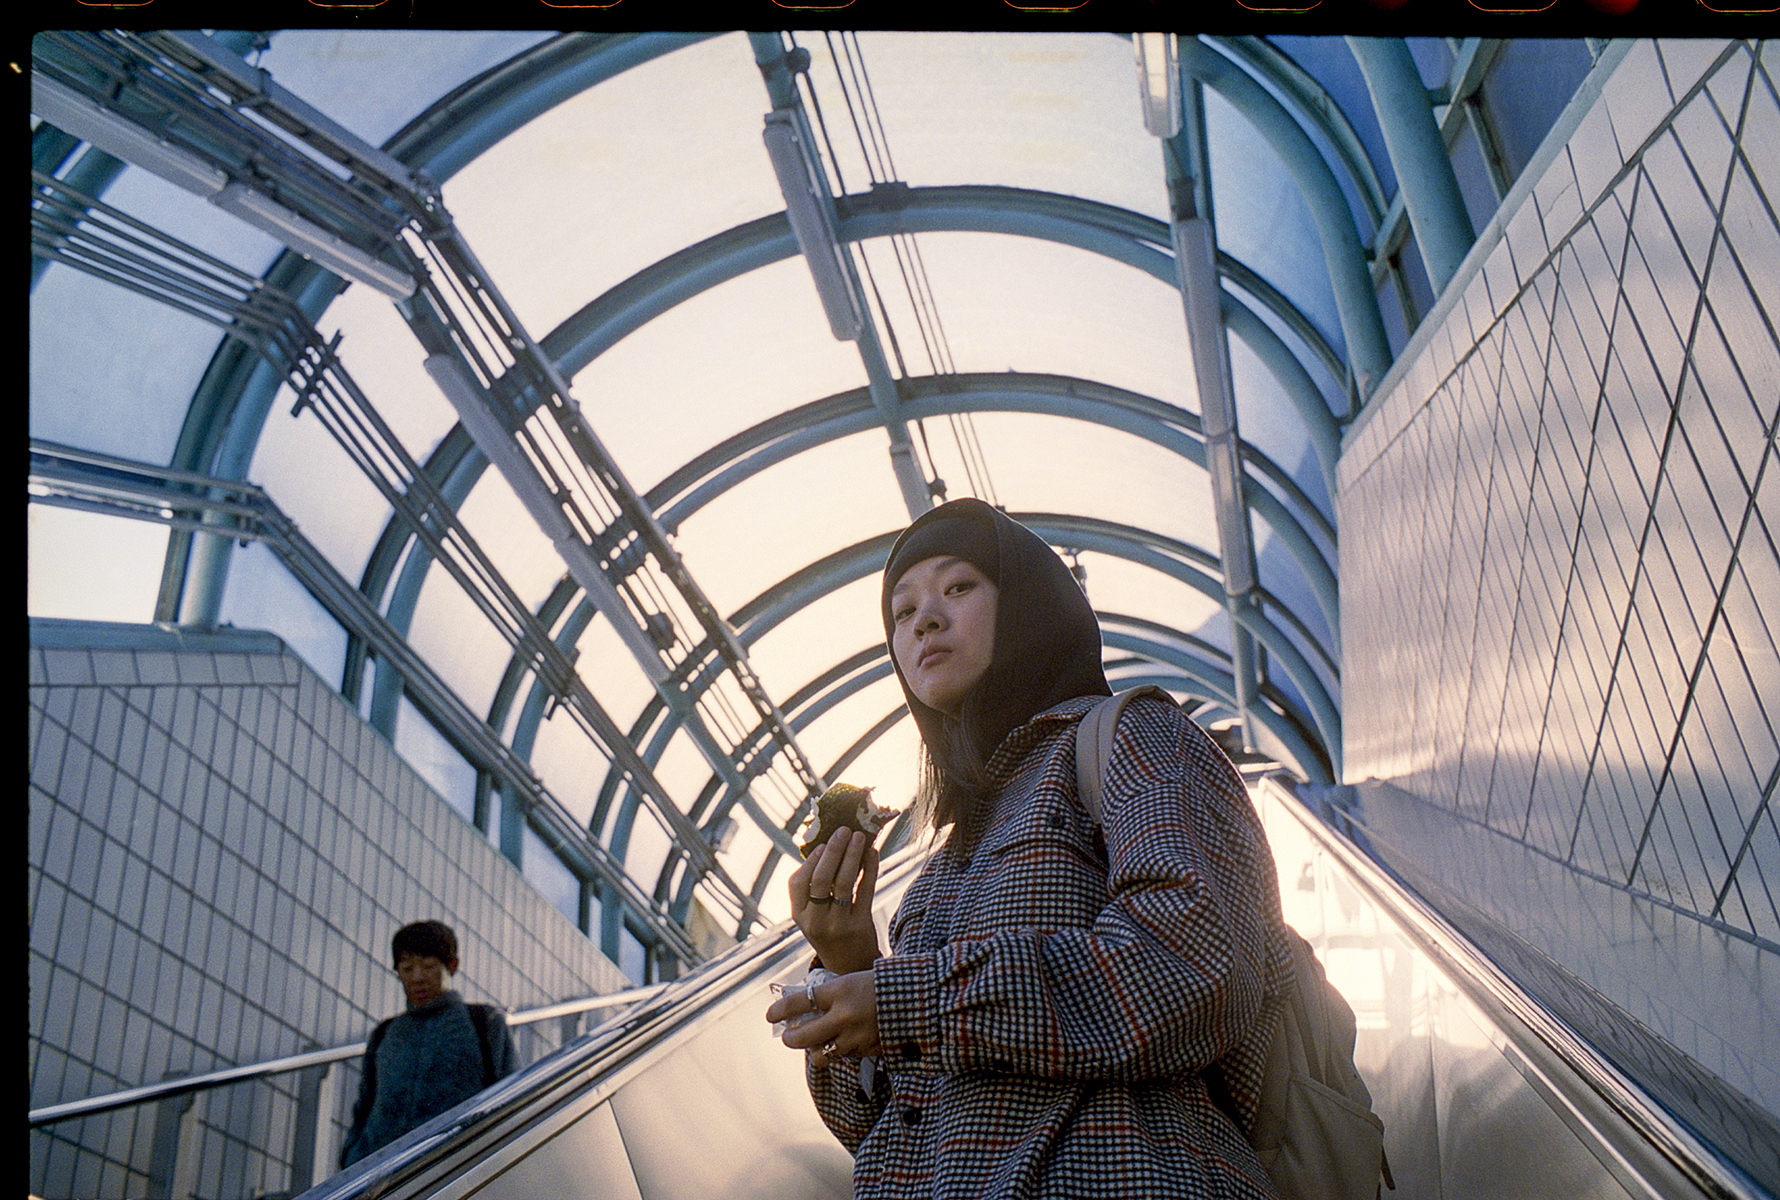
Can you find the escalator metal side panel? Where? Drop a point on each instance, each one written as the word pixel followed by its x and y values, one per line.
pixel 720 1109
pixel 1483 1093
pixel 690 1085
pixel 586 1161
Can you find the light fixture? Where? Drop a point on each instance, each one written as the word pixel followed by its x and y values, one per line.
pixel 1195 254
pixel 73 113
pixel 121 138
pixel 1158 80
pixel 807 210
pixel 313 242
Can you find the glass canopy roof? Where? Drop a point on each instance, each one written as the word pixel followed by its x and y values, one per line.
pixel 610 275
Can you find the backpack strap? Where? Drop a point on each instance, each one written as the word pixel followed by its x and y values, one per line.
pixel 371 1044
pixel 361 1109
pixel 479 1018
pixel 1094 745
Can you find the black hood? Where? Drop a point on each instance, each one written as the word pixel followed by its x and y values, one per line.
pixel 1047 640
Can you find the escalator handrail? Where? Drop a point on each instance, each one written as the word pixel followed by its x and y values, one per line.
pixel 597 1056
pixel 1647 1139
pixel 91 1106
pixel 1596 1090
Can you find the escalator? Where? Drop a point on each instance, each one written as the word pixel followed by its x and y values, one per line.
pixel 1485 1093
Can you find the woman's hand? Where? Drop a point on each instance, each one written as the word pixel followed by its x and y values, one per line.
pixel 847 1022
pixel 831 895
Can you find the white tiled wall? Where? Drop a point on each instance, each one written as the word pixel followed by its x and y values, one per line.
pixel 219 851
pixel 1560 585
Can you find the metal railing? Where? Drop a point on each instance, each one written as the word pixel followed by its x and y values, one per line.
pixel 311 1125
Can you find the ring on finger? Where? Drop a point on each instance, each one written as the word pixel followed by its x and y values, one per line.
pixel 822 899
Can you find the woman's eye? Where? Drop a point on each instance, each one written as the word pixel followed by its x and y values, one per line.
pixel 902 614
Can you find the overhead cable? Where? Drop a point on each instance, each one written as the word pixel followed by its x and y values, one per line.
pixel 853 78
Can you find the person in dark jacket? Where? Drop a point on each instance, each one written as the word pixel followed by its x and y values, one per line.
pixel 1066 1008
pixel 438 1053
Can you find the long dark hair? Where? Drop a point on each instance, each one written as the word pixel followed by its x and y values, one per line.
pixel 1047 650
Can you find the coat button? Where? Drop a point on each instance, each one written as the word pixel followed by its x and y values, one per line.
pixel 911 1052
pixel 1058 820
pixel 1002 1065
pixel 911 1117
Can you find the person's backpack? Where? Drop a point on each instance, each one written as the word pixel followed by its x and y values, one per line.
pixel 1314 1127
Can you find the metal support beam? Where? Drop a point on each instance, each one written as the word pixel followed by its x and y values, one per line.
pixel 886 396
pixel 1471 63
pixel 476 409
pixel 188 167
pixel 229 408
pixel 1195 253
pixel 495 373
pixel 1424 172
pixel 1186 166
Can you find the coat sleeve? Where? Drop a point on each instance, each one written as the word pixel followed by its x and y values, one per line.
pixel 1182 963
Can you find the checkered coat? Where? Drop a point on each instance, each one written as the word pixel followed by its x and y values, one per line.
pixel 1052 1001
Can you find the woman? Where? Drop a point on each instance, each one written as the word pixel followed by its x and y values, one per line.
pixel 1056 992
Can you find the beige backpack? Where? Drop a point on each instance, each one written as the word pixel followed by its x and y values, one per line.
pixel 1314 1129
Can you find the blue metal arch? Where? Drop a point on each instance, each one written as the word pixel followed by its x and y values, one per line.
pixel 1118 233
pixel 459 126
pixel 490 108
pixel 1175 429
pixel 1136 545
pixel 228 410
pixel 809 585
pixel 1104 229
pixel 1123 235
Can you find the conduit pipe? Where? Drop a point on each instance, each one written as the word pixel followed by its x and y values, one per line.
pixel 1368 349
pixel 1425 176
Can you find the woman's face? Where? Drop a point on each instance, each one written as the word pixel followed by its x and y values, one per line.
pixel 943 634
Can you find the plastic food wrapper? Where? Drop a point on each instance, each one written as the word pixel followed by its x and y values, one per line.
pixel 814 980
